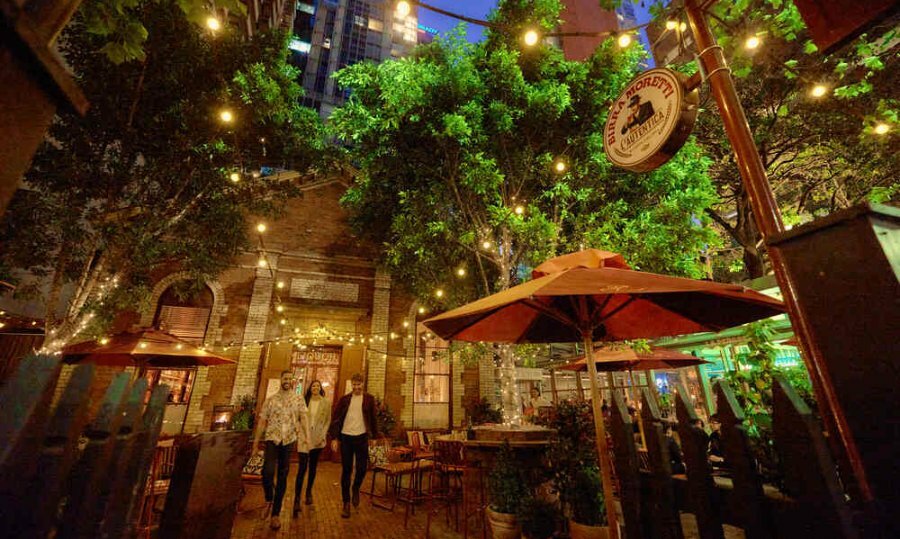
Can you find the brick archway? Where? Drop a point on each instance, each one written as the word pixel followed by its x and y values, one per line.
pixel 193 421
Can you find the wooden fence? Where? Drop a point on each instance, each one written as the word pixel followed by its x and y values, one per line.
pixel 810 502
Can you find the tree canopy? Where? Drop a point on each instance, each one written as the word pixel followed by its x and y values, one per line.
pixel 821 152
pixel 152 179
pixel 457 148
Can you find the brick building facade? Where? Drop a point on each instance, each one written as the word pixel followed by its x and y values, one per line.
pixel 324 280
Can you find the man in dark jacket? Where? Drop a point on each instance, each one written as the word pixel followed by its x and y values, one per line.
pixel 353 423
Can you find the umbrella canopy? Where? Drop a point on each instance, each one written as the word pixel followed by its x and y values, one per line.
pixel 613 303
pixel 146 347
pixel 592 295
pixel 627 359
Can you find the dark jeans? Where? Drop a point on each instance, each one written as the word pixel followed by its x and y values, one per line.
pixel 313 459
pixel 353 447
pixel 281 455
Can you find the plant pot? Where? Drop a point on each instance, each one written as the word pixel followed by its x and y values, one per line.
pixel 582 531
pixel 503 525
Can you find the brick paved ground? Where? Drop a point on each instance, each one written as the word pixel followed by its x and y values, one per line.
pixel 322 520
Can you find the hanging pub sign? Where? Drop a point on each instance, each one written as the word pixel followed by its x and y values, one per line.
pixel 650 120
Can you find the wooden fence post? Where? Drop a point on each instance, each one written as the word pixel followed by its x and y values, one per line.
pixel 748 501
pixel 808 467
pixel 625 462
pixel 39 503
pixel 702 488
pixel 662 509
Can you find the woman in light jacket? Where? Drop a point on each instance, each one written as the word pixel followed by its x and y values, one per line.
pixel 319 420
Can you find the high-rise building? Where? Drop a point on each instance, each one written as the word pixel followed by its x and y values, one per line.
pixel 332 34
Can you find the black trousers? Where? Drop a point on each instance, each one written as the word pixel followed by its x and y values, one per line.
pixel 353 448
pixel 276 455
pixel 312 458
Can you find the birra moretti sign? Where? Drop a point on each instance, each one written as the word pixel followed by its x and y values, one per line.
pixel 650 120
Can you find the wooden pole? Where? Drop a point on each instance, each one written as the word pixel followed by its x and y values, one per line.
pixel 768 221
pixel 602 450
pixel 553 386
pixel 579 385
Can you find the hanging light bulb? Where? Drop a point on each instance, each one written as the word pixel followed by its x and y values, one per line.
pixel 421 310
pixel 213 23
pixel 405 323
pixel 262 262
pixel 104 340
pixel 671 25
pixel 752 43
pixel 280 308
pixel 280 285
pixel 624 40
pixel 261 227
pixel 226 116
pixel 560 166
pixel 819 90
pixel 531 38
pixel 520 210
pixel 403 8
pixel 486 244
pixel 881 128
pixel 235 177
pixel 461 272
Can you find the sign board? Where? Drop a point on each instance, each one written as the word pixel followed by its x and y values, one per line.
pixel 650 120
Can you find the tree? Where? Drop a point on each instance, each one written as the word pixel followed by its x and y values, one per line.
pixel 457 149
pixel 820 153
pixel 146 182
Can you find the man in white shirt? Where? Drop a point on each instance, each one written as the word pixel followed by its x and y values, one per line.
pixel 355 421
pixel 284 421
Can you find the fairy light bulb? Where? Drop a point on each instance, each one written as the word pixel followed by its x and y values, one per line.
pixel 486 244
pixel 280 308
pixel 881 128
pixel 819 90
pixel 531 38
pixel 421 310
pixel 519 210
pixel 439 293
pixel 104 341
pixel 235 177
pixel 671 25
pixel 261 227
pixel 461 272
pixel 226 116
pixel 262 263
pixel 560 166
pixel 752 43
pixel 280 285
pixel 213 23
pixel 624 40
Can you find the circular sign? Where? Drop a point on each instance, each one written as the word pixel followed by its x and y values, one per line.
pixel 650 120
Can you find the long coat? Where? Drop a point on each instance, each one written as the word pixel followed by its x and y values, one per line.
pixel 318 427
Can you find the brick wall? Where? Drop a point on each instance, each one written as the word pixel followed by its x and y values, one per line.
pixel 245 379
pixel 377 355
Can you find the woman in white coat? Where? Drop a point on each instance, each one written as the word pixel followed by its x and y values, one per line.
pixel 319 420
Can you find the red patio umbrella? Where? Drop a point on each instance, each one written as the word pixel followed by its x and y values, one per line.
pixel 592 296
pixel 142 348
pixel 627 359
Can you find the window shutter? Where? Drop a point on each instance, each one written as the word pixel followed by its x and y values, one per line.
pixel 188 323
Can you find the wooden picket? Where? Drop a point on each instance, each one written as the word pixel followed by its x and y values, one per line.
pixel 51 486
pixel 813 503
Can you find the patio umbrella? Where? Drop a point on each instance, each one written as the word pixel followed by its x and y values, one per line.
pixel 627 359
pixel 592 296
pixel 142 348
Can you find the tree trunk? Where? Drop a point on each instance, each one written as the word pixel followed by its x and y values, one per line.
pixel 754 262
pixel 509 382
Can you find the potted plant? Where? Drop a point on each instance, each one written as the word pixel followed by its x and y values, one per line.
pixel 588 510
pixel 245 416
pixel 539 518
pixel 574 472
pixel 506 490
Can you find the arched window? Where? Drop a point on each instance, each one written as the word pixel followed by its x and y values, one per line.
pixel 185 316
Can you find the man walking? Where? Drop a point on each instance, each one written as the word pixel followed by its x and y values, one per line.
pixel 354 423
pixel 284 421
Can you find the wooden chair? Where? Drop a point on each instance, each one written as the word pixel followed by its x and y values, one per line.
pixel 446 480
pixel 157 485
pixel 388 462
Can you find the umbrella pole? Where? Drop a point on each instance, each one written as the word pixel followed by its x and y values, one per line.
pixel 602 448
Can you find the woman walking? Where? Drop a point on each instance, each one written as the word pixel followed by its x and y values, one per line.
pixel 319 420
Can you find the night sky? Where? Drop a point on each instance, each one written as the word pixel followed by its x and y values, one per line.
pixel 479 9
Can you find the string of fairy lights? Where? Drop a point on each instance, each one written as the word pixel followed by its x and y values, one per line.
pixel 530 37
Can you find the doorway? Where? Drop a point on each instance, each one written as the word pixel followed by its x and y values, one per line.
pixel 322 363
